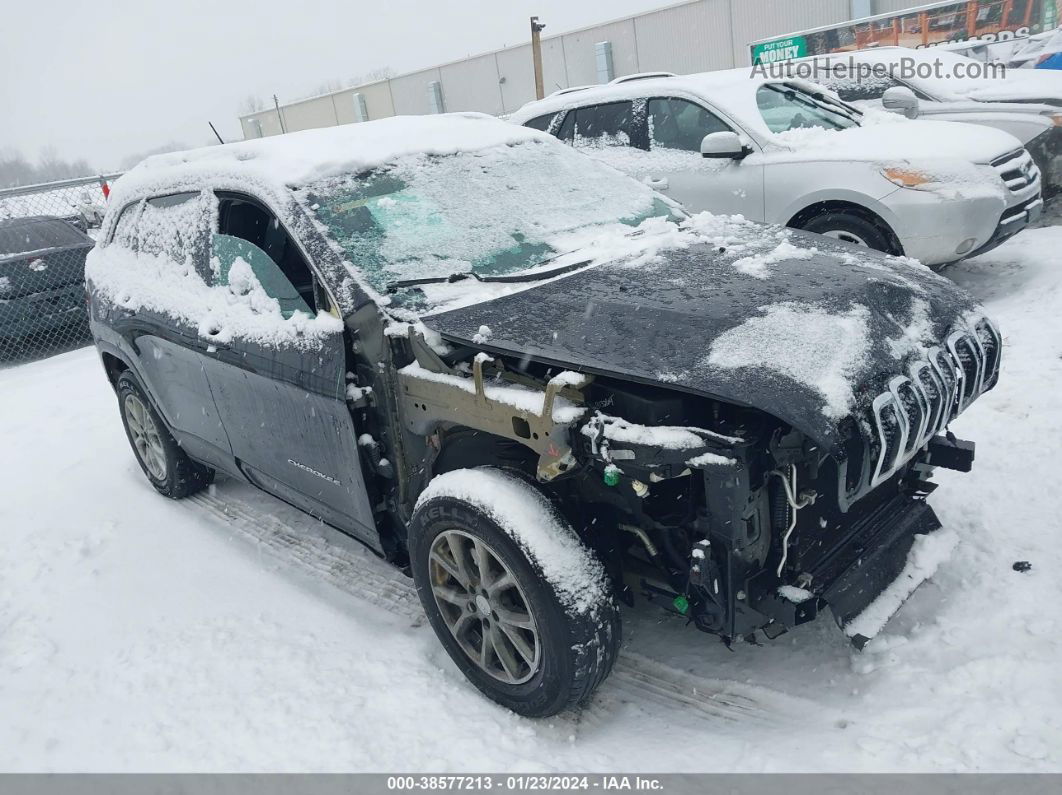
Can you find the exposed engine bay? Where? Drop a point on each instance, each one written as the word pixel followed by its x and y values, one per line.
pixel 720 513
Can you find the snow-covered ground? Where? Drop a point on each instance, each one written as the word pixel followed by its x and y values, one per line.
pixel 229 632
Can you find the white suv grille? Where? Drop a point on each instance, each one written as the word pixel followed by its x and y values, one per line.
pixel 1017 170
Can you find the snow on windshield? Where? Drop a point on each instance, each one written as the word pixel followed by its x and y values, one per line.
pixel 491 212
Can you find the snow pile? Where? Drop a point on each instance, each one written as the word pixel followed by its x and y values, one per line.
pixel 758 265
pixel 814 346
pixel 795 595
pixel 146 282
pixel 710 459
pixel 927 554
pixel 530 519
pixel 516 395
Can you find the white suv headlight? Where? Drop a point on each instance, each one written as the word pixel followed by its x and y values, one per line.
pixel 906 177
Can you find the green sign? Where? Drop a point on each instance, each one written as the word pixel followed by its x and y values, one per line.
pixel 1050 14
pixel 780 50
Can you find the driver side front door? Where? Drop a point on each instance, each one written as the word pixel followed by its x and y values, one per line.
pixel 279 378
pixel 674 164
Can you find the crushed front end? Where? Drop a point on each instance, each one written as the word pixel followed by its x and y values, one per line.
pixel 741 523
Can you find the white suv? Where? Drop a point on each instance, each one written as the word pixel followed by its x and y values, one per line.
pixel 792 153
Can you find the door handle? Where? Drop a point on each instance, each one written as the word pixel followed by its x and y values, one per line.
pixel 657 183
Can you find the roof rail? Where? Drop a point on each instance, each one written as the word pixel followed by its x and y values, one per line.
pixel 641 76
pixel 570 90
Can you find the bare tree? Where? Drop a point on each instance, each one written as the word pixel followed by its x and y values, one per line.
pixel 252 103
pixel 339 83
pixel 15 169
pixel 131 160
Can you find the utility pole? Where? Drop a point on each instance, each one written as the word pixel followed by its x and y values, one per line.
pixel 280 116
pixel 536 53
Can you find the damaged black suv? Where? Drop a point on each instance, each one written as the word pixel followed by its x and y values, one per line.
pixel 536 385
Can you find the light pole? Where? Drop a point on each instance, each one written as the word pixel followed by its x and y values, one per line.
pixel 536 53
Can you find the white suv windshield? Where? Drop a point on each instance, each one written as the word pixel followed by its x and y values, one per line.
pixel 491 212
pixel 784 108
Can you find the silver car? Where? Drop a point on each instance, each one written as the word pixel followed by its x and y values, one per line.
pixel 791 153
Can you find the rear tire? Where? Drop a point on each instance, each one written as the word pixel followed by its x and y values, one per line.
pixel 851 228
pixel 535 646
pixel 169 469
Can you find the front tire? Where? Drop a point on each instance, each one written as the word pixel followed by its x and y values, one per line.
pixel 851 228
pixel 169 469
pixel 520 605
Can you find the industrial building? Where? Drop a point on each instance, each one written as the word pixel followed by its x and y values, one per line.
pixel 696 36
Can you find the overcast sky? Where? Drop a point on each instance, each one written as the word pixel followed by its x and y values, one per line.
pixel 106 80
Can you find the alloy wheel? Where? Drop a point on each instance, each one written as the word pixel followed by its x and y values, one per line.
pixel 145 435
pixel 484 607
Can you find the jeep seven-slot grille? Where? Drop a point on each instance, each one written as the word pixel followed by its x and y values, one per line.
pixel 916 407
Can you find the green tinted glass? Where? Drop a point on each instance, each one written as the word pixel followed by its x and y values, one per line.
pixel 227 250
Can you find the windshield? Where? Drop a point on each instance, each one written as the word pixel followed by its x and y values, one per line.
pixel 784 108
pixel 491 212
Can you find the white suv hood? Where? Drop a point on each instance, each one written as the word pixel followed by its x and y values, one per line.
pixel 1021 85
pixel 901 140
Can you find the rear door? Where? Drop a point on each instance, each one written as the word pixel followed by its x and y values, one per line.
pixel 281 391
pixel 155 241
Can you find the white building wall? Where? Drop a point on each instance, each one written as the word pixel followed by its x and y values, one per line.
pixel 579 57
pixel 377 102
pixel 518 73
pixel 410 92
pixel 472 85
pixel 685 39
pixel 888 6
pixel 760 19
pixel 694 36
pixel 310 113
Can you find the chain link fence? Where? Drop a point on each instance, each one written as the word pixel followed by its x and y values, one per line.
pixel 46 231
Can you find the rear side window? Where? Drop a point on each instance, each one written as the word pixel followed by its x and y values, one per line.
pixel 540 122
pixel 174 227
pixel 680 124
pixel 604 125
pixel 125 229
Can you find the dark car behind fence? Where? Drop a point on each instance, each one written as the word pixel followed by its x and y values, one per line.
pixel 46 231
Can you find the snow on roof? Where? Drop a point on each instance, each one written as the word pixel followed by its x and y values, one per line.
pixel 732 90
pixel 301 157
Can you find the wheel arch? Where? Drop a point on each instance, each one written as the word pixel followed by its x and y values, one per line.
pixel 114 366
pixel 804 215
pixel 465 447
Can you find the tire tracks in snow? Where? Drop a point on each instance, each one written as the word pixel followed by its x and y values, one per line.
pixel 636 680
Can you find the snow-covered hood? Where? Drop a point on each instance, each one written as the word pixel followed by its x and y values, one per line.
pixel 900 141
pixel 1021 85
pixel 799 326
